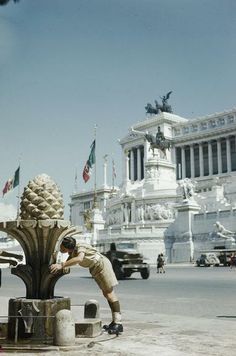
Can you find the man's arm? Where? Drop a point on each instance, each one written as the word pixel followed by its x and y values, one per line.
pixel 68 263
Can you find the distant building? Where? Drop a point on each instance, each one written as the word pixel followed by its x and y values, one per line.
pixel 169 201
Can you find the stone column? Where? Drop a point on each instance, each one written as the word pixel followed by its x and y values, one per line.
pixel 173 155
pixel 201 159
pixel 183 247
pixel 133 210
pixel 146 150
pixel 228 154
pixel 210 162
pixel 192 165
pixel 219 158
pixel 138 164
pixel 132 165
pixel 126 166
pixel 183 162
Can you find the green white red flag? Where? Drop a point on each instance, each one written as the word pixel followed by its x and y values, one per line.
pixel 89 163
pixel 12 182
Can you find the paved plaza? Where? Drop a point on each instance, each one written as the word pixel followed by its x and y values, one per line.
pixel 194 324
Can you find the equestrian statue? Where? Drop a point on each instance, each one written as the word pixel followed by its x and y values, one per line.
pixel 159 141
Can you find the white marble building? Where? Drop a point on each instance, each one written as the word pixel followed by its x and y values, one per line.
pixel 170 202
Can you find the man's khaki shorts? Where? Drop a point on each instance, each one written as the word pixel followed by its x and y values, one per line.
pixel 103 274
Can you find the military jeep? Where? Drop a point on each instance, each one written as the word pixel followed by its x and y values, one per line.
pixel 125 260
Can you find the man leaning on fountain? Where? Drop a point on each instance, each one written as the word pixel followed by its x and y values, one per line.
pixel 101 270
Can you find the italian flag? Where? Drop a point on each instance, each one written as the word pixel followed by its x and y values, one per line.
pixel 89 163
pixel 12 182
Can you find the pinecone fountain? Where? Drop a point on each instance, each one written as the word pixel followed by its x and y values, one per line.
pixel 39 228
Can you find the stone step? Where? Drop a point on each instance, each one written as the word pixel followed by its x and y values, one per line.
pixel 89 327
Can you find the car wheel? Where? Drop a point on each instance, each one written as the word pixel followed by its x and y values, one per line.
pixel 145 273
pixel 118 270
pixel 127 274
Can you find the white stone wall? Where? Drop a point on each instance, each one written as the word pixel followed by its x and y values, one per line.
pixel 146 210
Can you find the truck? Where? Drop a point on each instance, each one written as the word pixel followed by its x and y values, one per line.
pixel 125 260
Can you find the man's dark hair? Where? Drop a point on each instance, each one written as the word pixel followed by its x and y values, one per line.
pixel 69 242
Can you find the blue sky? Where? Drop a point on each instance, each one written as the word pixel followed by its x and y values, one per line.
pixel 68 65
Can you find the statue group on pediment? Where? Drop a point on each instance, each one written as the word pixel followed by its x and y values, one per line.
pixel 186 188
pixel 142 212
pixel 164 107
pixel 153 212
pixel 222 233
pixel 113 217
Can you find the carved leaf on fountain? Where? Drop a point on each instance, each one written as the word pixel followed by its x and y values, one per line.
pixel 38 244
pixel 38 231
pixel 42 200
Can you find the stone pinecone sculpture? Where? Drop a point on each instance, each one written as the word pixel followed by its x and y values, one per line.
pixel 42 200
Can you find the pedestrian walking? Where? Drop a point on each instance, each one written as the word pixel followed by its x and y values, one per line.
pixel 101 270
pixel 160 263
pixel 233 260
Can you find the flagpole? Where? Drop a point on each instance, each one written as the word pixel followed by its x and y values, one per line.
pixel 76 182
pixel 18 197
pixel 113 176
pixel 95 170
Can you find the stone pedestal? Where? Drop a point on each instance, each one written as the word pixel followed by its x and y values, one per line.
pixel 33 319
pixel 159 175
pixel 183 248
pixel 91 325
pixel 183 251
pixel 97 222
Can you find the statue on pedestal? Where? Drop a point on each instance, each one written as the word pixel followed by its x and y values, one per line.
pixel 222 233
pixel 165 107
pixel 159 141
pixel 187 188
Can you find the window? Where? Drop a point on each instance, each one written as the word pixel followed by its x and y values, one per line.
pixel 87 205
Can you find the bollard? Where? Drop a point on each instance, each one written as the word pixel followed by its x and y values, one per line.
pixel 64 329
pixel 91 309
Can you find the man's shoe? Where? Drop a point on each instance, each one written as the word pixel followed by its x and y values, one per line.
pixel 115 329
pixel 106 327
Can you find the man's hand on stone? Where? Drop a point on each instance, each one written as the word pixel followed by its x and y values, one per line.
pixel 54 268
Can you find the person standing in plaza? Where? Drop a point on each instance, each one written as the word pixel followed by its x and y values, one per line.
pixel 160 263
pixel 233 260
pixel 101 270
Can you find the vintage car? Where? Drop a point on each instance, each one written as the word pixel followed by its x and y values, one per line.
pixel 125 260
pixel 207 260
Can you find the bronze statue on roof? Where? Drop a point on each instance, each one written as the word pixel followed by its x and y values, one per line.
pixel 165 107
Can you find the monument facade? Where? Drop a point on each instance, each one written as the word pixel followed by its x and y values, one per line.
pixel 170 199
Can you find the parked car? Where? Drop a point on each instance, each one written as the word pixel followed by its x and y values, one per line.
pixel 125 260
pixel 207 260
pixel 225 258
